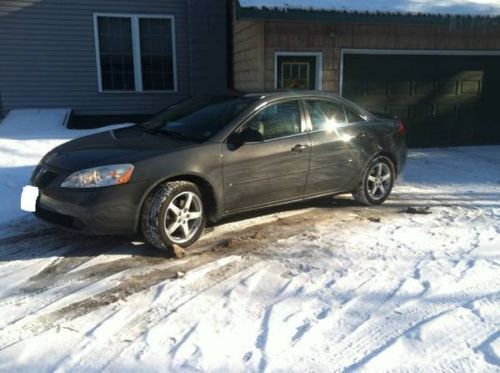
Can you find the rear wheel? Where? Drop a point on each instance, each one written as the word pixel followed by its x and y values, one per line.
pixel 173 215
pixel 377 183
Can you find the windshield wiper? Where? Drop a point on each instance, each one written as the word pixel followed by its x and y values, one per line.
pixel 166 132
pixel 146 129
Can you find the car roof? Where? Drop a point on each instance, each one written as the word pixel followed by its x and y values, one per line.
pixel 290 94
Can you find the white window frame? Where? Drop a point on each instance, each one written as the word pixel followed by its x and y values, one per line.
pixel 136 49
pixel 319 66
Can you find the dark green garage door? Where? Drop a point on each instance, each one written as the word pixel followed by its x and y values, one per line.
pixel 444 100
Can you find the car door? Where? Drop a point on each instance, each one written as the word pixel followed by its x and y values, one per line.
pixel 335 155
pixel 272 170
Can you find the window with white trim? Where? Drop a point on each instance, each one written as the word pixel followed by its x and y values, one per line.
pixel 135 53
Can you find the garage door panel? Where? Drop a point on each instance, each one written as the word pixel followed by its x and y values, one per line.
pixel 423 88
pixel 470 87
pixel 469 125
pixel 398 101
pixel 445 100
pixel 447 87
pixel 355 89
pixel 376 89
pixel 400 88
pixel 401 112
pixel 445 112
pixel 469 112
pixel 421 112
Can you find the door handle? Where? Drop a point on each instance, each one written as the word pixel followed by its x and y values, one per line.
pixel 299 148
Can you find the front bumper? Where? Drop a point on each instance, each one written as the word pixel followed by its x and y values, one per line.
pixel 100 211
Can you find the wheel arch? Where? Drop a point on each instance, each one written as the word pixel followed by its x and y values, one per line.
pixel 206 188
pixel 391 157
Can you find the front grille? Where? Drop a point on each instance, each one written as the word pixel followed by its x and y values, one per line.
pixel 42 177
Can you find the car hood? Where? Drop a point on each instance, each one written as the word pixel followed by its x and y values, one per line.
pixel 124 145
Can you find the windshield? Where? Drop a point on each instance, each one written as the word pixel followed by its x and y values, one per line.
pixel 197 118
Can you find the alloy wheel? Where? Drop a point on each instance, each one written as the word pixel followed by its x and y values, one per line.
pixel 379 181
pixel 184 217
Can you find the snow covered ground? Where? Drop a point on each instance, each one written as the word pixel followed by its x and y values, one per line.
pixel 323 286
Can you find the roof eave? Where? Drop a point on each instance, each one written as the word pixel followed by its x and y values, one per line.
pixel 276 14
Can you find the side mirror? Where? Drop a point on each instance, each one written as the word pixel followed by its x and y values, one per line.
pixel 237 139
pixel 251 135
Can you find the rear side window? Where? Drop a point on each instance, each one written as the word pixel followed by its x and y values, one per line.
pixel 353 117
pixel 325 115
pixel 278 120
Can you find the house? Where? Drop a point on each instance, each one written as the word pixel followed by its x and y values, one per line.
pixel 435 66
pixel 110 58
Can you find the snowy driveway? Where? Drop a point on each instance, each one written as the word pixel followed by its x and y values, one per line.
pixel 319 287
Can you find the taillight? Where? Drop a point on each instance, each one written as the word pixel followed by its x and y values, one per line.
pixel 401 128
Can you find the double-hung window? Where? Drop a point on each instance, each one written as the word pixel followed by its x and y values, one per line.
pixel 135 53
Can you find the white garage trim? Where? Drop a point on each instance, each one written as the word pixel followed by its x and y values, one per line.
pixel 409 52
pixel 319 66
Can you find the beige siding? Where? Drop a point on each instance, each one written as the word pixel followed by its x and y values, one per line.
pixel 330 39
pixel 247 56
pixel 298 37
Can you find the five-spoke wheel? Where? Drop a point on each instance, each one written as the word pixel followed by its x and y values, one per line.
pixel 173 215
pixel 377 182
pixel 184 216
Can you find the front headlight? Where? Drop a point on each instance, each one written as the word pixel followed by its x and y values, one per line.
pixel 100 176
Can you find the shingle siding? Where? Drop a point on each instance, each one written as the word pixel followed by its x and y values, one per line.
pixel 247 55
pixel 48 56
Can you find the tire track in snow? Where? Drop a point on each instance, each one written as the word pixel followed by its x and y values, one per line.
pixel 20 237
pixel 360 347
pixel 34 251
pixel 153 314
pixel 245 240
pixel 389 306
pixel 51 290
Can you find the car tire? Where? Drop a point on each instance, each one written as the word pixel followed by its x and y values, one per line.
pixel 166 221
pixel 378 181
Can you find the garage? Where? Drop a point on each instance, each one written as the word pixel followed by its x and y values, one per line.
pixel 436 67
pixel 444 99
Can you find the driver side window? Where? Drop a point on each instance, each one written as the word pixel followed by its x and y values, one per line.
pixel 278 120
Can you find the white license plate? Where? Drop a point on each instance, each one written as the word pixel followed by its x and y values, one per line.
pixel 29 198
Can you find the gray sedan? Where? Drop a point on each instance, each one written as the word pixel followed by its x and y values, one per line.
pixel 212 156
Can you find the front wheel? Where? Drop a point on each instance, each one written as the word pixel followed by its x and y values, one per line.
pixel 377 183
pixel 173 215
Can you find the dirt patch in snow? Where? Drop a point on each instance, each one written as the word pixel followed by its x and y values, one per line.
pixel 251 241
